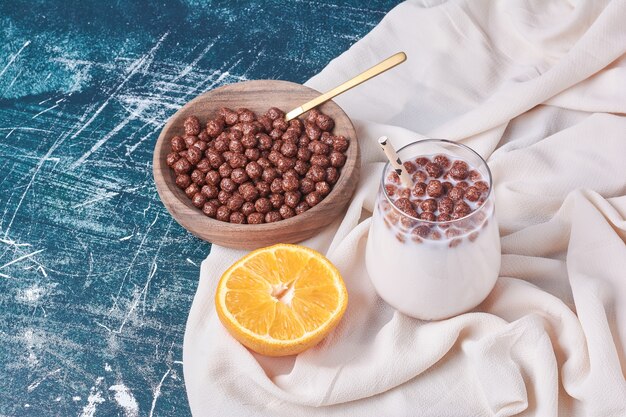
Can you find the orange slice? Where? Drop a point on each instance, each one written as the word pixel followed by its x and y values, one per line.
pixel 281 300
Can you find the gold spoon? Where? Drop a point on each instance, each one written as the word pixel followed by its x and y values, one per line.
pixel 377 69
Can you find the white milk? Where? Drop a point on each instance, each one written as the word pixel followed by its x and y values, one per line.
pixel 431 280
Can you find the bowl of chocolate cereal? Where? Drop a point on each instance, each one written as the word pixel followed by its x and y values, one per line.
pixel 230 169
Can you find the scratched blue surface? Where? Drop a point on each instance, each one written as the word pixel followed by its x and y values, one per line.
pixel 96 279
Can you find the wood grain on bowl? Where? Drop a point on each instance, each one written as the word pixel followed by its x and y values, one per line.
pixel 258 96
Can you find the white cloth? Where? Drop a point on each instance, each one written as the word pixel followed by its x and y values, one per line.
pixel 539 88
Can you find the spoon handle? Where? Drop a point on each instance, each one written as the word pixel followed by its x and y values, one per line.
pixel 379 68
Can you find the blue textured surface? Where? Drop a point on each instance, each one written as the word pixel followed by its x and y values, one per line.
pixel 96 279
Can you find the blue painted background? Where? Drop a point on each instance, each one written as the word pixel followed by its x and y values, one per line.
pixel 96 279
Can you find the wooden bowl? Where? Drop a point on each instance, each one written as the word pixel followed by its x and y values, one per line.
pixel 258 96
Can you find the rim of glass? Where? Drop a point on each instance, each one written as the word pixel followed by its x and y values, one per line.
pixel 460 145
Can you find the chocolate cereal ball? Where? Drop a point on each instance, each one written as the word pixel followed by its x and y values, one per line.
pixel 302 207
pixel 286 212
pixel 214 157
pixel 235 202
pixel 209 191
pixel 445 205
pixel 270 174
pixel 442 160
pixel 265 142
pixel 292 198
pixel 340 144
pixel 303 141
pixel 223 214
pixel 301 167
pixel 171 159
pixel 209 209
pixel 427 215
pixel 246 115
pixel 276 134
pixel 224 196
pixel 252 154
pixel 323 188
pixel 419 189
pixel 420 176
pixel 225 170
pixel 429 205
pixel 404 204
pixel 183 181
pixel 191 190
pixel 313 198
pixel 277 200
pixel 237 217
pixel 276 186
pixel 228 185
pixel 178 144
pixel 320 160
pixel 332 175
pixel 316 173
pixel 311 116
pixel 337 159
pixel 280 124
pixel 433 169
pixel 263 205
pixel 198 200
pixel 194 155
pixel 191 125
pixel 237 161
pixel 459 170
pixel 327 138
pixel 212 177
pixel 236 146
pixel 296 124
pixel 482 186
pixel 291 137
pixel 289 149
pixel 472 194
pixel 264 188
pixel 275 113
pixel 318 148
pixel 198 177
pixel 230 116
pixel 312 131
pixel 284 164
pixel 254 170
pixel 256 218
pixel 249 192
pixel 247 208
pixel 307 185
pixel 239 176
pixel 182 166
pixel 215 127
pixel 227 155
pixel 273 216
pixel 201 145
pixel 324 122
pixel 290 183
pixel 456 193
pixel 444 217
pixel 204 166
pixel 266 123
pixel 463 184
pixel 304 154
pixel 249 141
pixel 434 189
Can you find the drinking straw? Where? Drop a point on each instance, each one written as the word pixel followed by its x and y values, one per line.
pixel 395 161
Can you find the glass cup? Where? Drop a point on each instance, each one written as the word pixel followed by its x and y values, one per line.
pixel 434 269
